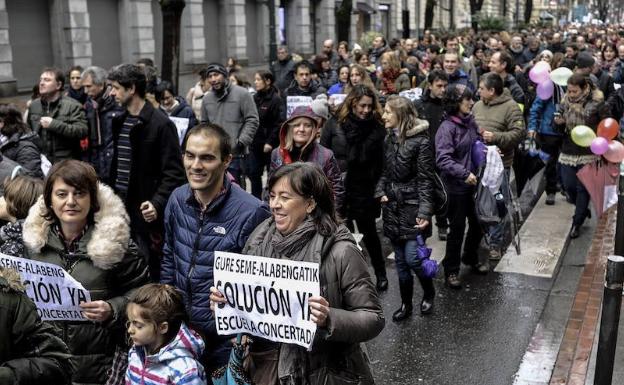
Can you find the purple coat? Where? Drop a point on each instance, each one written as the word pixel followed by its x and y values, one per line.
pixel 453 142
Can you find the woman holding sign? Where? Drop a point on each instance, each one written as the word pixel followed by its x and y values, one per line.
pixel 82 226
pixel 304 227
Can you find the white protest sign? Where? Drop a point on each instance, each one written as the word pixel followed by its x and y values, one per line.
pixel 337 99
pixel 413 94
pixel 293 102
pixel 266 297
pixel 182 124
pixel 56 294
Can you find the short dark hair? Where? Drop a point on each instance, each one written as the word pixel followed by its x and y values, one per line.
pixel 129 75
pixel 308 180
pixel 437 75
pixel 80 175
pixel 59 75
pixel 75 68
pixel 211 130
pixel 493 81
pixel 454 95
pixel 580 80
pixel 302 64
pixel 13 120
pixel 161 88
pixel 509 63
pixel 21 193
pixel 266 76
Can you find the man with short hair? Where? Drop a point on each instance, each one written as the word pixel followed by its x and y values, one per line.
pixel 587 65
pixel 207 214
pixel 501 123
pixel 571 51
pixel 431 108
pixel 283 69
pixel 100 109
pixel 456 75
pixel 556 44
pixel 328 49
pixel 380 46
pixel 147 164
pixel 502 64
pixel 58 120
pixel 516 50
pixel 233 108
pixel 303 85
pixel 531 51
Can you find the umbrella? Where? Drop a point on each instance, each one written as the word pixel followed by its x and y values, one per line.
pixel 600 179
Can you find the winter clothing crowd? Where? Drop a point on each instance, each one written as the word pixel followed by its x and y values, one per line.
pixel 132 188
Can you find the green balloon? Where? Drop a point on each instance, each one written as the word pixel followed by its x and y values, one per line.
pixel 583 136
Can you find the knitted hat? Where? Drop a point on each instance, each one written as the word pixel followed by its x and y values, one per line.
pixel 319 106
pixel 302 111
pixel 216 67
pixel 585 60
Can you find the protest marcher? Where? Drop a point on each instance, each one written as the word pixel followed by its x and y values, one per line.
pixel 20 194
pixel 269 105
pixel 501 124
pixel 454 140
pixel 100 109
pixel 30 350
pixel 304 227
pixel 147 163
pixel 82 226
pixel 195 95
pixel 391 80
pixel 303 85
pixel 358 75
pixel 231 107
pixel 298 144
pixel 58 120
pixel 283 69
pixel 355 135
pixel 174 106
pixel 326 74
pixel 405 190
pixel 164 347
pixel 208 214
pixel 343 79
pixel 583 104
pixel 75 90
pixel 18 142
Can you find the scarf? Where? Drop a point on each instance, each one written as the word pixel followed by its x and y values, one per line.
pixel 388 77
pixel 78 95
pixel 289 246
pixel 169 110
pixel 575 111
pixel 358 134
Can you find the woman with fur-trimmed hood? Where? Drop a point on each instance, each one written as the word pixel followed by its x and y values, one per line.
pixel 30 351
pixel 82 226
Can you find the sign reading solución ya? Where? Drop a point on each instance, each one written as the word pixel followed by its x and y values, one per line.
pixel 56 294
pixel 266 297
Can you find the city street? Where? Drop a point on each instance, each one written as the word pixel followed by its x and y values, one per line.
pixel 479 335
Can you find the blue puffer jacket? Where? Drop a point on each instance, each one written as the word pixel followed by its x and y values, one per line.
pixel 191 237
pixel 541 117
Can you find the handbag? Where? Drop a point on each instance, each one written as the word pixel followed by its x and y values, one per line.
pixel 490 208
pixel 440 196
pixel 233 373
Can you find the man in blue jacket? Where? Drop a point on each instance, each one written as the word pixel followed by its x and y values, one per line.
pixel 207 214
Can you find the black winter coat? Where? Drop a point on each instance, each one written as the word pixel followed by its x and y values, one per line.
pixel 30 351
pixel 100 115
pixel 408 183
pixel 24 150
pixel 432 110
pixel 269 105
pixel 156 168
pixel 360 158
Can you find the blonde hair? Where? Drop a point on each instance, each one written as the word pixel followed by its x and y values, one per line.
pixel 392 59
pixel 366 80
pixel 290 143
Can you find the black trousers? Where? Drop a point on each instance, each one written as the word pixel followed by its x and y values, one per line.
pixel 368 228
pixel 461 207
pixel 551 145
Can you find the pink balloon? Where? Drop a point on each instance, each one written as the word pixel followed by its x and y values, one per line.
pixel 540 72
pixel 599 145
pixel 545 89
pixel 615 153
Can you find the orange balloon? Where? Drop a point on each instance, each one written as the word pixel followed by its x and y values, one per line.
pixel 608 128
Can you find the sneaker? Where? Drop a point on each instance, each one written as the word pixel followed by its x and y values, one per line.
pixel 550 199
pixel 453 281
pixel 442 233
pixel 480 268
pixel 496 254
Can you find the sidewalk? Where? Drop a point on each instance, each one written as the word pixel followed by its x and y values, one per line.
pixel 573 365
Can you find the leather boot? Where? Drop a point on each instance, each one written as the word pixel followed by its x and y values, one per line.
pixel 382 281
pixel 407 291
pixel 426 305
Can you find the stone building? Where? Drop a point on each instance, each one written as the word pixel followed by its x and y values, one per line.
pixel 39 33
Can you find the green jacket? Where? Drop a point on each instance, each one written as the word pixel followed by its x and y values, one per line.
pixel 30 351
pixel 61 140
pixel 503 117
pixel 108 264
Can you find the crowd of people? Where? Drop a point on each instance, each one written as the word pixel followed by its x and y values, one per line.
pixel 132 188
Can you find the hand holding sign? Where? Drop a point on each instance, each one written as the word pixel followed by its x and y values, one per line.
pixel 100 311
pixel 319 310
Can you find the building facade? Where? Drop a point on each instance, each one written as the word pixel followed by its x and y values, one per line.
pixel 39 33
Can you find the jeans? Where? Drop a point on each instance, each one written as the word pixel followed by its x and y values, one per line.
pixel 576 192
pixel 497 232
pixel 461 207
pixel 256 162
pixel 236 168
pixel 406 259
pixel 368 228
pixel 550 144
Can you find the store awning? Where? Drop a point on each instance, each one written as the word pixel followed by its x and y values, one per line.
pixel 363 7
